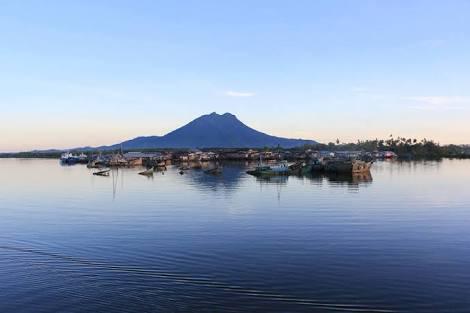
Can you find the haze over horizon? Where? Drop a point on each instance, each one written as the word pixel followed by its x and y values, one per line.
pixel 97 73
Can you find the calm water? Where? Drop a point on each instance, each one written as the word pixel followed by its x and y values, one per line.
pixel 398 241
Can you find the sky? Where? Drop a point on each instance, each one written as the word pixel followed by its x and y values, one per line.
pixel 80 73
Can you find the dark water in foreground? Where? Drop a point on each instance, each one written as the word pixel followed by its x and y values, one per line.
pixel 73 242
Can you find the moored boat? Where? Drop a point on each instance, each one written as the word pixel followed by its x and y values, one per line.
pixel 279 169
pixel 68 158
pixel 347 166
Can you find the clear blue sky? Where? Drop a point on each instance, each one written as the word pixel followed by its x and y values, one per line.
pixel 78 73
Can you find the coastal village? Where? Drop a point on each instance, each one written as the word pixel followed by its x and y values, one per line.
pixel 261 162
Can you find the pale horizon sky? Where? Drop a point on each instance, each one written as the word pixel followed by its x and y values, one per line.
pixel 92 73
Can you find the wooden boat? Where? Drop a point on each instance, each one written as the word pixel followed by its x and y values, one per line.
pixel 102 173
pixel 347 166
pixel 300 168
pixel 359 166
pixel 148 172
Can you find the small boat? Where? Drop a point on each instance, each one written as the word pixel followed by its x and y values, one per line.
pixel 102 173
pixel 148 172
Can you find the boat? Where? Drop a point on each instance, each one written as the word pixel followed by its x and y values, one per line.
pixel 359 166
pixel 148 172
pixel 102 173
pixel 98 162
pixel 118 160
pixel 282 168
pixel 347 166
pixel 83 158
pixel 300 168
pixel 317 165
pixel 68 158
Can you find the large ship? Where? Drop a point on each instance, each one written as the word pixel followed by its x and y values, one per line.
pixel 69 159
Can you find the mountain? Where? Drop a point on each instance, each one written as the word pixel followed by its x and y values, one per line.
pixel 212 131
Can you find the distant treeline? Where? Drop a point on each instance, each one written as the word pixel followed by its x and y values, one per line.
pixel 404 147
pixel 32 155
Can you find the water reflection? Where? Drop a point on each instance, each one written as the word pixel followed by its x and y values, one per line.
pixel 229 179
pixel 234 175
pixel 227 243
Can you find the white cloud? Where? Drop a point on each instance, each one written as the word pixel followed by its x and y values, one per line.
pixel 239 94
pixel 440 102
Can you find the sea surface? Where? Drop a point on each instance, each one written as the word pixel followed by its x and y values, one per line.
pixel 395 241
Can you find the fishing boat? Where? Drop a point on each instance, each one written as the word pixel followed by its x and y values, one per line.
pixel 102 173
pixel 148 172
pixel 282 168
pixel 300 168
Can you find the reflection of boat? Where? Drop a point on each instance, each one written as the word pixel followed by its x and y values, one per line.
pixel 273 179
pixel 102 173
pixel 214 171
pixel 340 178
pixel 148 172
